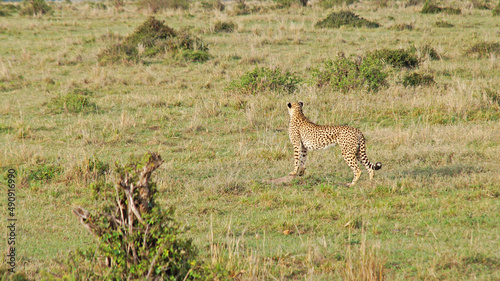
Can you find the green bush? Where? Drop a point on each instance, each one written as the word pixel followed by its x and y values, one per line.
pixel 194 55
pixel 350 73
pixel 7 10
pixel 430 8
pixel 43 172
pixel 263 79
pixel 345 18
pixel 139 240
pixel 443 24
pixel 496 10
pixel 71 103
pixel 156 5
pixel 327 4
pixel 151 38
pixel 213 5
pixel 483 50
pixel 35 7
pixel 222 26
pixel 397 58
pixel 417 79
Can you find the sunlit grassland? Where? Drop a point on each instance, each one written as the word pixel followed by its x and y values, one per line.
pixel 430 213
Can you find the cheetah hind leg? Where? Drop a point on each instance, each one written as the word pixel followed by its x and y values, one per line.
pixel 351 161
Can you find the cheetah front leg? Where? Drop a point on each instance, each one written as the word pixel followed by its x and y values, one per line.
pixel 300 157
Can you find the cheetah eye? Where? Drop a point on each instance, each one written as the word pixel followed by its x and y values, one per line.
pixel 301 103
pixel 289 105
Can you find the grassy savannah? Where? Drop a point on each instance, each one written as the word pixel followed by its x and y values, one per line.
pixel 220 125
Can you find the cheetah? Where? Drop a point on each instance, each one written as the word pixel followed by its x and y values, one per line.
pixel 305 136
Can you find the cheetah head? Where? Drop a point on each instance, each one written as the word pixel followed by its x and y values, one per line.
pixel 294 107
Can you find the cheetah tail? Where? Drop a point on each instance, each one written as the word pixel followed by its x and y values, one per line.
pixel 378 166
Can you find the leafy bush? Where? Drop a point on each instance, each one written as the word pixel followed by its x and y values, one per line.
pixel 221 26
pixel 156 5
pixel 263 79
pixel 496 10
pixel 327 4
pixel 35 7
pixel 443 24
pixel 430 8
pixel 345 18
pixel 484 49
pixel 153 37
pixel 402 26
pixel 214 5
pixel 349 73
pixel 397 58
pixel 417 79
pixel 138 239
pixel 194 55
pixel 73 102
pixel 7 9
pixel 427 50
pixel 43 172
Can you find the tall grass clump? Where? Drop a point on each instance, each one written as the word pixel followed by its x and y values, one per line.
pixel 397 58
pixel 73 102
pixel 157 5
pixel 483 50
pixel 138 238
pixel 7 10
pixel 224 26
pixel 265 79
pixel 345 18
pixel 430 8
pixel 151 39
pixel 417 79
pixel 496 10
pixel 327 4
pixel 35 7
pixel 349 73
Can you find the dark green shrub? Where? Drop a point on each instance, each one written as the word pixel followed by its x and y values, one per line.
pixel 222 26
pixel 35 7
pixel 417 79
pixel 430 8
pixel 139 240
pixel 427 50
pixel 327 4
pixel 214 5
pixel 443 24
pixel 43 172
pixel 496 10
pixel 156 5
pixel 7 10
pixel 263 79
pixel 153 37
pixel 483 50
pixel 71 103
pixel 402 26
pixel 397 58
pixel 194 55
pixel 452 11
pixel 349 73
pixel 345 18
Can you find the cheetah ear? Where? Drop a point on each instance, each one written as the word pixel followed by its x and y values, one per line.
pixel 301 103
pixel 289 105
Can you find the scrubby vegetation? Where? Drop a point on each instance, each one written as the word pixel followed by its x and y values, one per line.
pixel 483 50
pixel 264 79
pixel 326 4
pixel 151 39
pixel 430 8
pixel 35 7
pixel 397 58
pixel 224 26
pixel 348 73
pixel 345 18
pixel 443 24
pixel 158 5
pixel 417 79
pixel 221 127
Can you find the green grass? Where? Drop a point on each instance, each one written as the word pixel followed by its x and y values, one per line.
pixel 430 213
